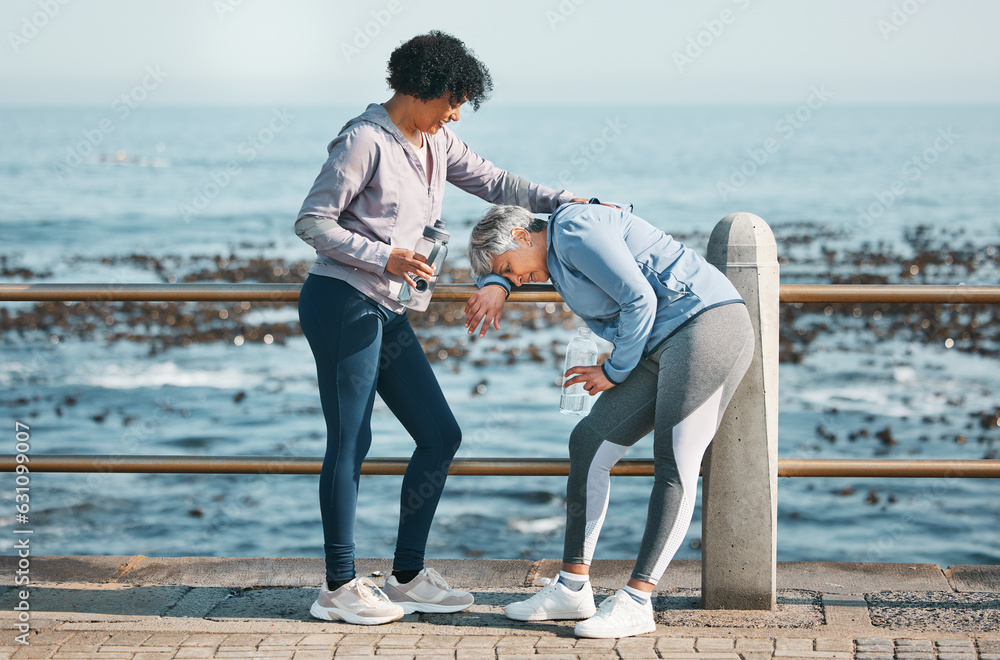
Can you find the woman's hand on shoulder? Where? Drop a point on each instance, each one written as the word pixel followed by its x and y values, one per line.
pixel 406 263
pixel 485 306
pixel 593 379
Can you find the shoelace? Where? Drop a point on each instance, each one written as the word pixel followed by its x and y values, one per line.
pixel 435 578
pixel 369 591
pixel 608 605
pixel 549 585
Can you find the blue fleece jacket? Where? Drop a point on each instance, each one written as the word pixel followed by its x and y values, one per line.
pixel 631 283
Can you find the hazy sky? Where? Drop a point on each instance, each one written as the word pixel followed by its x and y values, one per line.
pixel 317 52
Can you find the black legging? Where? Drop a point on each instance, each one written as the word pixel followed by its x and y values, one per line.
pixel 360 348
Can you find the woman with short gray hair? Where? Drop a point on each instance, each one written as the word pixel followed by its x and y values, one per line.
pixel 682 342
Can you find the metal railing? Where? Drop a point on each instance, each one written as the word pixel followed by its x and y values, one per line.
pixel 789 293
pixel 787 467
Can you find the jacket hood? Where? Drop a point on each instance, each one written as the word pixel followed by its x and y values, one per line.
pixel 376 114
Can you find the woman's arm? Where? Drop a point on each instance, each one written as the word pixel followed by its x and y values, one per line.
pixel 601 255
pixel 478 176
pixel 353 161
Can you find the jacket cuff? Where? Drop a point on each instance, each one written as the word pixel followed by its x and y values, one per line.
pixel 498 280
pixel 605 368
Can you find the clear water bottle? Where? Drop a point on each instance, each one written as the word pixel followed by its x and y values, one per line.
pixel 581 352
pixel 433 246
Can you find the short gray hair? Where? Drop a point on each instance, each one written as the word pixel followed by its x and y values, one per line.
pixel 492 235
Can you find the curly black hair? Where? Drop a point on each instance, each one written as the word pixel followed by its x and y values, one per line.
pixel 430 65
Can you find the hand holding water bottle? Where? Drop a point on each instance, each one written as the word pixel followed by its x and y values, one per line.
pixel 582 377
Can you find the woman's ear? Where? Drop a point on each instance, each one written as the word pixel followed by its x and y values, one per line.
pixel 520 234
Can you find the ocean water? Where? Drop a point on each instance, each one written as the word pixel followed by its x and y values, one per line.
pixel 82 190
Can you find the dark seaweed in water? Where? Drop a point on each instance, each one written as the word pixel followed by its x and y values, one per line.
pixel 973 328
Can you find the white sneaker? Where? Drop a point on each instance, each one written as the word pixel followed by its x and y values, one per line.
pixel 553 603
pixel 619 616
pixel 359 601
pixel 428 592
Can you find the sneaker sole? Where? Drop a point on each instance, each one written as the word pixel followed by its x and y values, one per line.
pixel 552 616
pixel 431 608
pixel 333 614
pixel 608 634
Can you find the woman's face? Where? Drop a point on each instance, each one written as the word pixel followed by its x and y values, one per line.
pixel 430 116
pixel 525 265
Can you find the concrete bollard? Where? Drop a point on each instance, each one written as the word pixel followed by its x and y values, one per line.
pixel 740 485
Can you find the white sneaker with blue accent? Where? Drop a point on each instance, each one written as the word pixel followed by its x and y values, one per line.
pixel 555 602
pixel 619 616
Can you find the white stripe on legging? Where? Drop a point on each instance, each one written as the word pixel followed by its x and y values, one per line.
pixel 691 438
pixel 598 493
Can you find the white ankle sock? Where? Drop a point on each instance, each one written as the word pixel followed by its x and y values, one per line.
pixel 573 581
pixel 640 597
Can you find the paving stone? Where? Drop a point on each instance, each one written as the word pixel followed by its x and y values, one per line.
pixel 914 655
pixel 153 655
pixel 701 656
pixel 989 646
pixel 438 641
pixel 195 652
pixel 475 654
pixel 914 643
pixel 166 639
pixel 714 644
pixel 675 644
pixel 881 655
pixel 35 651
pixel 321 639
pixel 755 644
pixel 283 639
pixel 834 644
pixel 550 642
pixel 793 644
pixel 879 641
pixel 85 641
pixel 489 641
pixel 968 655
pixel 636 647
pixel 989 656
pixel 756 655
pixel 961 643
pixel 360 639
pixel 361 651
pixel 205 639
pixel 511 641
pixel 398 641
pixel 585 644
pixel 47 637
pixel 313 654
pixel 814 654
pixel 395 651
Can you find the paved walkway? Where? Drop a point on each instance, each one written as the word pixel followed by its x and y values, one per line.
pixel 141 607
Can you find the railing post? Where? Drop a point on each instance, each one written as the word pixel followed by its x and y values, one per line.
pixel 740 487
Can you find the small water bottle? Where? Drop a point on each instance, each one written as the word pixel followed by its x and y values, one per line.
pixel 433 246
pixel 581 352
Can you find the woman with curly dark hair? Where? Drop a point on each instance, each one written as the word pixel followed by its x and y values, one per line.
pixel 379 190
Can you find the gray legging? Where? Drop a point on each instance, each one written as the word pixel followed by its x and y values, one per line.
pixel 680 392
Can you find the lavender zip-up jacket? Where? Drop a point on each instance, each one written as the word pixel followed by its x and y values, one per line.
pixel 372 196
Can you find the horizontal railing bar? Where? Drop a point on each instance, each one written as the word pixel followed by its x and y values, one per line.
pixel 787 467
pixel 789 293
